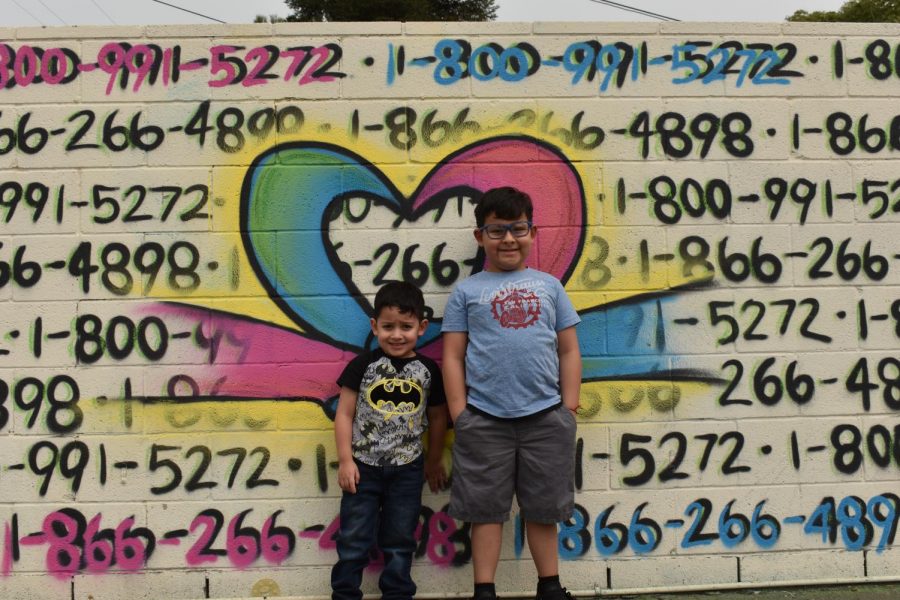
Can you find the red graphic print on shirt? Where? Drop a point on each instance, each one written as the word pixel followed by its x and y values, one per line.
pixel 515 308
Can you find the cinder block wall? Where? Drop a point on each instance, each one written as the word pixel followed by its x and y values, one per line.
pixel 194 221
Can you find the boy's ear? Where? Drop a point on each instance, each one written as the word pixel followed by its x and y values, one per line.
pixel 372 325
pixel 479 236
pixel 423 325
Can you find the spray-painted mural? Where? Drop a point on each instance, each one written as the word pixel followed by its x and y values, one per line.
pixel 195 221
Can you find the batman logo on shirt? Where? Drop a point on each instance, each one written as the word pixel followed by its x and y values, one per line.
pixel 394 396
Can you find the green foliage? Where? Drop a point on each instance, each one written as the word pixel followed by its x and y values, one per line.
pixel 392 10
pixel 854 11
pixel 269 19
pixel 463 10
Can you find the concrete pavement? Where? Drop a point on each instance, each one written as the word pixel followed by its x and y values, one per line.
pixel 869 591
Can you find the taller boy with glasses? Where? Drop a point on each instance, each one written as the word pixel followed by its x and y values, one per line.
pixel 512 374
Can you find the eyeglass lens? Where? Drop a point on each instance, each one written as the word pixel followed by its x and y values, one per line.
pixel 518 229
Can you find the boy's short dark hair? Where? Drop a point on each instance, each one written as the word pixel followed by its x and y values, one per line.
pixel 404 296
pixel 505 202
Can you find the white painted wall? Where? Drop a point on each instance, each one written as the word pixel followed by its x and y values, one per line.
pixel 741 367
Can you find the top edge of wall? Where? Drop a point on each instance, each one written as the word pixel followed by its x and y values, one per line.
pixel 448 28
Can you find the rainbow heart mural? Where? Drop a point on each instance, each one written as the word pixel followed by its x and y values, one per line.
pixel 291 192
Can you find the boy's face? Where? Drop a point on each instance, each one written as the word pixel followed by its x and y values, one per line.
pixel 397 332
pixel 509 252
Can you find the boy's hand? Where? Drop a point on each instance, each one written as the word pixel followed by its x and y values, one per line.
pixel 458 409
pixel 436 474
pixel 348 476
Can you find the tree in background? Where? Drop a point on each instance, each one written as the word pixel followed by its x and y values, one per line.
pixel 269 19
pixel 392 10
pixel 854 11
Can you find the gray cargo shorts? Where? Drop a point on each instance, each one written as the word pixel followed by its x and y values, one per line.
pixel 533 457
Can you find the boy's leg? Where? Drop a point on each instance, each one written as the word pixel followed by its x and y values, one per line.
pixel 545 488
pixel 396 535
pixel 484 458
pixel 359 521
pixel 542 542
pixel 486 541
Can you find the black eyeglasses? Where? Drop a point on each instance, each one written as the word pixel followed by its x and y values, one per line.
pixel 496 231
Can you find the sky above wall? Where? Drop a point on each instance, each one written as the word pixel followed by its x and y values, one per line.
pixel 24 13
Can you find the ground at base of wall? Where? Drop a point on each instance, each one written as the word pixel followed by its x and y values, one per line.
pixel 886 591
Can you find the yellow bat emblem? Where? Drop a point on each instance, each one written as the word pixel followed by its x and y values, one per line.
pixel 395 396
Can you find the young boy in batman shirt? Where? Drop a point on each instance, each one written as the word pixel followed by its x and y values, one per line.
pixel 389 397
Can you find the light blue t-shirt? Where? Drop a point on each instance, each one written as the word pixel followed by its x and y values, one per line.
pixel 512 319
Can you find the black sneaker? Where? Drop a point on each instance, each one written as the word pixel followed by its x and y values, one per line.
pixel 482 595
pixel 555 592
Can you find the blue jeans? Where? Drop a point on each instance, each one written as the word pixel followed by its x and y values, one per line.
pixel 385 509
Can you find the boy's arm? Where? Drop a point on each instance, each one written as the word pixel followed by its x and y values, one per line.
pixel 348 473
pixel 454 371
pixel 569 367
pixel 435 472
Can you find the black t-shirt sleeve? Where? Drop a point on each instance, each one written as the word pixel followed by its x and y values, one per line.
pixel 353 373
pixel 436 395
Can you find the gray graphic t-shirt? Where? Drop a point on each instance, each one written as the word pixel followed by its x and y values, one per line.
pixel 390 407
pixel 512 320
